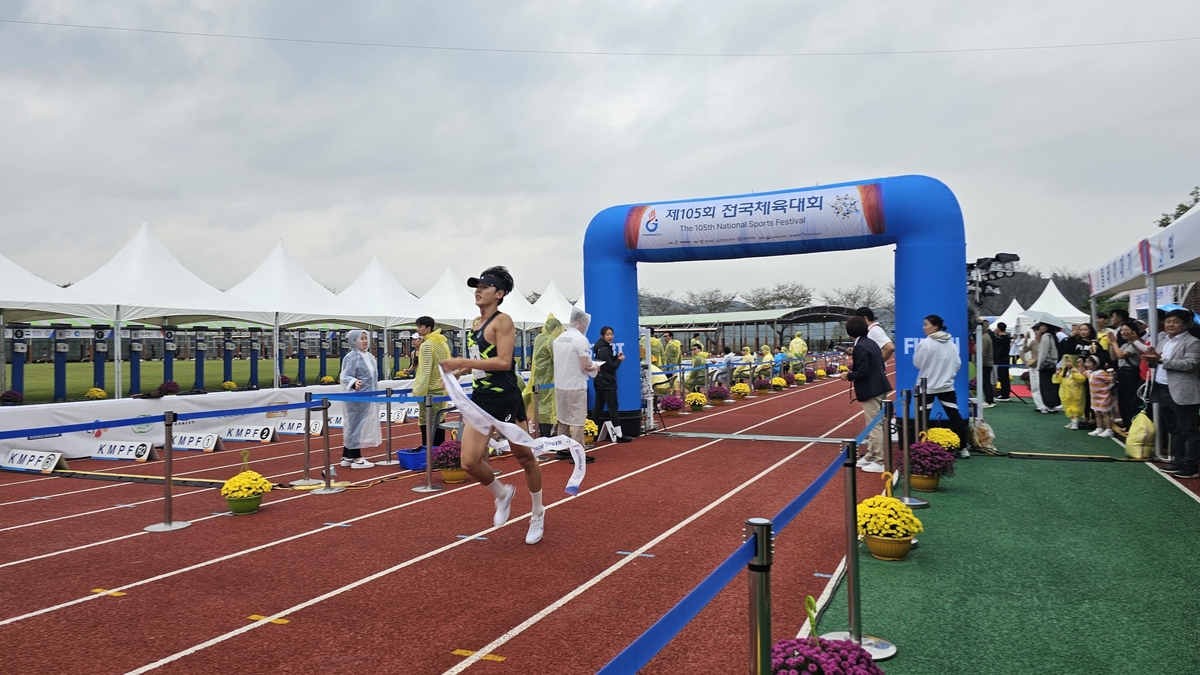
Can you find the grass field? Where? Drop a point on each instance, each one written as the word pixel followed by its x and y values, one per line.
pixel 39 377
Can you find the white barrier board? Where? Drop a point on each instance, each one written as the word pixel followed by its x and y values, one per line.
pixel 32 461
pixel 201 442
pixel 137 451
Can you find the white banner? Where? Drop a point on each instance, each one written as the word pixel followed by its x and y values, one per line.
pixel 849 211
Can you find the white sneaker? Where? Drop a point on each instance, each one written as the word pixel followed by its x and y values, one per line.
pixel 873 468
pixel 1057 408
pixel 1107 433
pixel 537 527
pixel 359 463
pixel 503 505
pixel 862 461
pixel 1095 432
pixel 347 462
pixel 1073 426
pixel 989 405
pixel 964 454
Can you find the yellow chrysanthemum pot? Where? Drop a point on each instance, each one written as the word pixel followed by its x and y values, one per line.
pixel 924 483
pixel 888 548
pixel 244 505
pixel 454 475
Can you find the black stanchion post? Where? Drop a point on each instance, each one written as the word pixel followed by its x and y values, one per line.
pixel 430 425
pixel 167 525
pixel 878 648
pixel 910 501
pixel 329 488
pixel 759 572
pixel 390 458
pixel 889 408
pixel 307 480
pixel 923 410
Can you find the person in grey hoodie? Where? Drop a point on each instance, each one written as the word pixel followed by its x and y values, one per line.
pixel 937 362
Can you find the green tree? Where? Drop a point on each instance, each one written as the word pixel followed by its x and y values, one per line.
pixel 1168 218
pixel 779 296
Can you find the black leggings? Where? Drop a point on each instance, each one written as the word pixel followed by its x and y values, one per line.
pixel 949 401
pixel 603 397
pixel 1049 389
pixel 1128 403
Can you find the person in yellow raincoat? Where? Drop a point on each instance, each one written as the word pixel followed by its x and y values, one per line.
pixel 742 372
pixel 797 350
pixel 695 378
pixel 766 362
pixel 659 381
pixel 1072 389
pixel 672 354
pixel 656 351
pixel 428 380
pixel 543 373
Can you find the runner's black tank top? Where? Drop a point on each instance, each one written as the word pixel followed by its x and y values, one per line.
pixel 493 381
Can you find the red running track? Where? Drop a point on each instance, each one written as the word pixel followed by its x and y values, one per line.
pixel 388 586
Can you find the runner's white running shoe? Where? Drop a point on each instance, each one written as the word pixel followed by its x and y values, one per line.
pixel 359 463
pixel 537 527
pixel 503 505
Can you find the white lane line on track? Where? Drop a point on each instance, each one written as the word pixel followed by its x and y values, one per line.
pixel 581 589
pixel 195 520
pixel 826 595
pixel 452 545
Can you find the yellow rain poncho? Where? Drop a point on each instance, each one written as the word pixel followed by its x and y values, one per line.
pixel 543 370
pixel 695 378
pixel 659 380
pixel 672 354
pixel 743 371
pixel 428 381
pixel 766 362
pixel 1072 389
pixel 656 351
pixel 798 348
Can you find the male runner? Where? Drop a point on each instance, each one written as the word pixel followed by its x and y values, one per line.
pixel 497 391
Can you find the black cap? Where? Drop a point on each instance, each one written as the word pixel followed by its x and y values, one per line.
pixel 489 280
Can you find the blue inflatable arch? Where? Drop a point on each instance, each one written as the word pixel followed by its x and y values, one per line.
pixel 918 214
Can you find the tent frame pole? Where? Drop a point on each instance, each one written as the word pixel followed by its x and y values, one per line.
pixel 276 355
pixel 3 365
pixel 117 357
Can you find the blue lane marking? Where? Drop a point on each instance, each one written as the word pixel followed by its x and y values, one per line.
pixel 225 513
pixel 127 506
pixel 339 524
pixel 823 576
pixel 641 555
pixel 467 536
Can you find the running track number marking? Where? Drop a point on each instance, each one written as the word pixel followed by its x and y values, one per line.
pixel 102 591
pixel 260 617
pixel 643 555
pixel 485 657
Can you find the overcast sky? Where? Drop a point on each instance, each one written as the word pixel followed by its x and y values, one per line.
pixel 430 158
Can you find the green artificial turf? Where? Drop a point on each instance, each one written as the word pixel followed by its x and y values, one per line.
pixel 39 377
pixel 1032 566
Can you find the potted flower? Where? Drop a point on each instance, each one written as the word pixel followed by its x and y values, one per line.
pixel 328 379
pixel 801 379
pixel 229 385
pixel 945 438
pixel 818 656
pixel 95 394
pixel 821 373
pixel 928 462
pixel 887 525
pixel 447 458
pixel 12 397
pixel 717 394
pixel 168 388
pixel 762 385
pixel 790 379
pixel 696 401
pixel 740 390
pixel 404 374
pixel 843 369
pixel 590 431
pixel 670 405
pixel 809 375
pixel 778 383
pixel 285 381
pixel 244 492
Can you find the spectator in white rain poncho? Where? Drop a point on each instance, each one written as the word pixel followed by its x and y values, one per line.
pixel 361 424
pixel 572 368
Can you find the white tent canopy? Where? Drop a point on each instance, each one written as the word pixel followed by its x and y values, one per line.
pixel 24 296
pixel 288 296
pixel 378 291
pixel 1010 315
pixel 524 315
pixel 453 302
pixel 579 303
pixel 1052 302
pixel 553 301
pixel 144 282
pixel 1174 252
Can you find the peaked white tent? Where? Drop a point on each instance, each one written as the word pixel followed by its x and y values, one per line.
pixel 24 296
pixel 1052 302
pixel 144 282
pixel 524 315
pixel 453 303
pixel 288 296
pixel 378 291
pixel 553 301
pixel 580 304
pixel 1010 315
